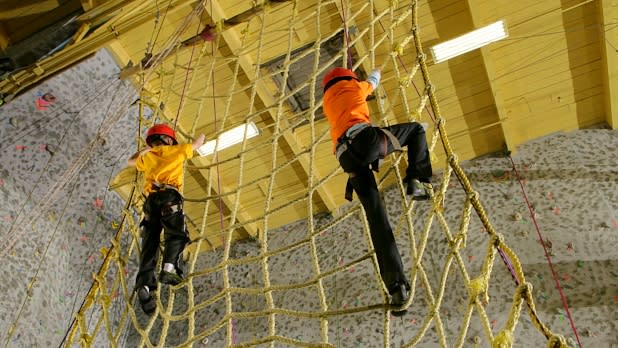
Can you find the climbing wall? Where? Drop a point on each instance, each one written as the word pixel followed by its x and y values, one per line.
pixel 50 233
pixel 51 242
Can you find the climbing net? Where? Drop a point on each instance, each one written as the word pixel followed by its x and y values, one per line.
pixel 233 295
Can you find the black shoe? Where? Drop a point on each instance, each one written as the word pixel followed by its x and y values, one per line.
pixel 170 278
pixel 146 300
pixel 420 191
pixel 399 297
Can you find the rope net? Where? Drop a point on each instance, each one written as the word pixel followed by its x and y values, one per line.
pixel 238 295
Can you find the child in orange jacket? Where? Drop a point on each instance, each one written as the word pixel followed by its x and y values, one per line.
pixel 359 147
pixel 162 164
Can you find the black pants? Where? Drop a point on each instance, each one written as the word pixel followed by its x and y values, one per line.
pixel 365 149
pixel 158 215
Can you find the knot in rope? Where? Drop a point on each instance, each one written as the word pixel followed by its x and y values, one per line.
pixel 458 242
pixel 504 339
pixel 86 339
pixel 452 159
pixel 106 301
pixel 112 252
pixel 525 291
pixel 404 82
pixel 478 286
pixel 472 196
pixel 497 240
pixel 557 341
pixel 397 49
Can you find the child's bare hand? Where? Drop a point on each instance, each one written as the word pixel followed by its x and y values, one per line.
pixel 199 141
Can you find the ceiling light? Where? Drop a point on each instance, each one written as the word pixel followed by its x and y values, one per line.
pixel 229 138
pixel 468 42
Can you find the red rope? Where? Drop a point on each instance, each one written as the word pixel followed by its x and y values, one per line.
pixel 184 87
pixel 551 265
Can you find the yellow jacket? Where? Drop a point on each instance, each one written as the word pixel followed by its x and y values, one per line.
pixel 164 165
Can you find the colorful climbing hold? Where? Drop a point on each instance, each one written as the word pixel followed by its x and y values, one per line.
pixel 500 175
pixel 98 203
pixel 44 101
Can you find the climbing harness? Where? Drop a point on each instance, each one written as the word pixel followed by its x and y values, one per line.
pixel 344 144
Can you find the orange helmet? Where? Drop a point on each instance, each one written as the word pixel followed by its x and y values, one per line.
pixel 158 130
pixel 336 73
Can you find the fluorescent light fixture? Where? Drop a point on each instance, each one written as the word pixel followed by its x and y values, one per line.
pixel 468 42
pixel 229 138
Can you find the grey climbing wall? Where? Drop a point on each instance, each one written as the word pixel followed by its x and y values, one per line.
pixel 55 209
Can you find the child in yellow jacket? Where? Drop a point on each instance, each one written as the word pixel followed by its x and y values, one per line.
pixel 162 164
pixel 359 147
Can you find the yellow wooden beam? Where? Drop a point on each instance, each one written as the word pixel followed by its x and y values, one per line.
pixel 479 19
pixel 20 8
pixel 608 9
pixel 88 4
pixel 247 64
pixel 81 32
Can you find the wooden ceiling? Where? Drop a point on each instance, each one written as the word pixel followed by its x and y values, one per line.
pixel 555 72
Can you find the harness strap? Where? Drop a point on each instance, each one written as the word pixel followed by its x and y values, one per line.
pixel 171 208
pixel 393 139
pixel 375 165
pixel 349 190
pixel 347 137
pixel 386 135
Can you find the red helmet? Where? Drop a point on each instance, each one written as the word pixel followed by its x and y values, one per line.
pixel 337 72
pixel 160 129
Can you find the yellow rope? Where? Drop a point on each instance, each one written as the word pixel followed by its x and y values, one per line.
pixel 103 291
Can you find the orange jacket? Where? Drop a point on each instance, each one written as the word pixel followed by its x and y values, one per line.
pixel 345 105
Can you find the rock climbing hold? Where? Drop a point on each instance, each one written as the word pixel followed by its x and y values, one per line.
pixel 517 216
